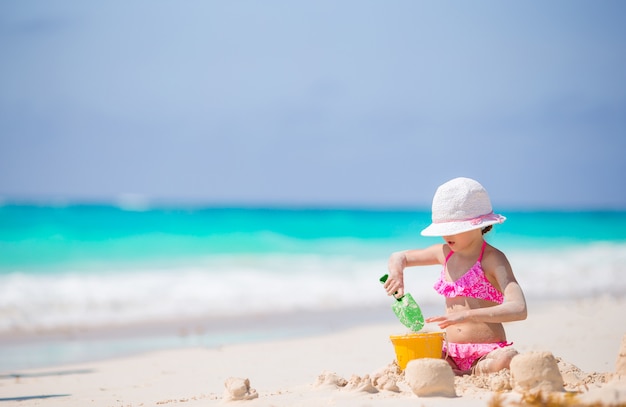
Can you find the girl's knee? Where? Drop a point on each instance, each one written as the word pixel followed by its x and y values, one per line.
pixel 496 360
pixel 506 352
pixel 504 357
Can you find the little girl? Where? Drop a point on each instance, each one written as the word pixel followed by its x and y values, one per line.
pixel 477 281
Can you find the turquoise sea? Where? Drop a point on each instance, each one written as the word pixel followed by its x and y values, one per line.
pixel 76 267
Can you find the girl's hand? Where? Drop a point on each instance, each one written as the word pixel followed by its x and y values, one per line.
pixel 445 321
pixel 395 285
pixel 395 282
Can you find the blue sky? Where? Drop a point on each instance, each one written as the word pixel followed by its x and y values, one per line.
pixel 359 103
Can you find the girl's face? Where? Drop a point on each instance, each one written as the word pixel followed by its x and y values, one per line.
pixel 463 240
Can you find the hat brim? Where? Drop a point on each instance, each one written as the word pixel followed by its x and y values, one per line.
pixel 456 227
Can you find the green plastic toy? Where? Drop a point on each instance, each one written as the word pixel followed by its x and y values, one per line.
pixel 407 310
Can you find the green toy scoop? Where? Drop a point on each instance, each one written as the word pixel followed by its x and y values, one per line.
pixel 407 310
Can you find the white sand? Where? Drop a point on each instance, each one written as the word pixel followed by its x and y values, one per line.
pixel 347 368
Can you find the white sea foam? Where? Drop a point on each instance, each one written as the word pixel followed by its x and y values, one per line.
pixel 576 271
pixel 244 285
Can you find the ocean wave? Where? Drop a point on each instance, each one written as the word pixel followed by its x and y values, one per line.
pixel 227 285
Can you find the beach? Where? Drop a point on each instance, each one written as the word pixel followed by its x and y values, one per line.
pixel 199 202
pixel 334 368
pixel 105 306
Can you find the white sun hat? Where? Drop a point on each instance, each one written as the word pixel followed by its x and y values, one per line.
pixel 461 205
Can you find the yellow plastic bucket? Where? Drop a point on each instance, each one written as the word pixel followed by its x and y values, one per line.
pixel 417 345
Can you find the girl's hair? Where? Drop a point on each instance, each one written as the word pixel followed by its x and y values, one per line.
pixel 487 229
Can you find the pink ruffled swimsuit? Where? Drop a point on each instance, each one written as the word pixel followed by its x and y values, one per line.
pixel 473 284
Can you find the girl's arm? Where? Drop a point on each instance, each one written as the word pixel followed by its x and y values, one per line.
pixel 514 306
pixel 398 261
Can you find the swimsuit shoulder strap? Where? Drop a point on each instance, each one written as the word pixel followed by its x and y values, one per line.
pixel 449 255
pixel 482 251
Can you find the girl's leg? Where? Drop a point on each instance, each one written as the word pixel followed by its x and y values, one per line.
pixel 495 361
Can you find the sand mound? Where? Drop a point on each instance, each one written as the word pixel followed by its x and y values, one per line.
pixel 536 372
pixel 430 377
pixel 541 378
pixel 330 379
pixel 385 379
pixel 239 389
pixel 498 381
pixel 363 384
pixel 576 380
pixel 388 378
